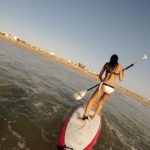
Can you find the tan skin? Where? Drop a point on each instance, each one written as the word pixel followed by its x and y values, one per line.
pixel 99 92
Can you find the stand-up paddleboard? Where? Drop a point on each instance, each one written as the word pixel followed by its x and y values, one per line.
pixel 74 136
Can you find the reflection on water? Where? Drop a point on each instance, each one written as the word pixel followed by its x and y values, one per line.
pixel 36 95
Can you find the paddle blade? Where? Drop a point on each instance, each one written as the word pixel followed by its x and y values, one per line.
pixel 145 57
pixel 80 95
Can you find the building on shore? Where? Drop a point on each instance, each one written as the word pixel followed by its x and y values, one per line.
pixel 10 36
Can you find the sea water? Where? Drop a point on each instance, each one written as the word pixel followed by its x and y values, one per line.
pixel 36 95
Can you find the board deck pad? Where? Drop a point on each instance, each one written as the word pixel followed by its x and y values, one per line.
pixel 77 136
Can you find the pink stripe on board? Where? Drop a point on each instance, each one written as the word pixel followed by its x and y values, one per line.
pixel 93 142
pixel 61 139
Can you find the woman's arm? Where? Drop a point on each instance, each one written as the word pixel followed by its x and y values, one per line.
pixel 121 74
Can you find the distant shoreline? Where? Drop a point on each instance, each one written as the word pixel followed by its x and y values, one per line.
pixel 44 53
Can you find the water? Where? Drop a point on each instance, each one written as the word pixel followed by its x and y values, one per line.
pixel 36 95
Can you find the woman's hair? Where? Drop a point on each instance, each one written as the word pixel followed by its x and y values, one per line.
pixel 113 62
pixel 111 65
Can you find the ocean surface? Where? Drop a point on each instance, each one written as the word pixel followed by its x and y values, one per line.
pixel 36 96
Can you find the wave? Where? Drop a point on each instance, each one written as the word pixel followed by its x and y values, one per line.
pixel 117 134
pixel 12 91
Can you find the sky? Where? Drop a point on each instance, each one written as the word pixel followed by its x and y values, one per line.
pixel 86 31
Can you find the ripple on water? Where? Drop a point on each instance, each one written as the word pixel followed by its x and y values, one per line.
pixel 11 91
pixel 39 104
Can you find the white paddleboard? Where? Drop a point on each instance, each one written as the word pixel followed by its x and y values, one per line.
pixel 75 136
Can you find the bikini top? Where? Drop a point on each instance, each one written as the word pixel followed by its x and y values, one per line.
pixel 111 72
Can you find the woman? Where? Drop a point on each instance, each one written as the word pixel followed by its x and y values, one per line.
pixel 111 70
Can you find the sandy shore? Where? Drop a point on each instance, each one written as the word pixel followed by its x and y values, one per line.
pixel 44 53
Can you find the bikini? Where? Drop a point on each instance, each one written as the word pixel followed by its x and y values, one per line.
pixel 109 89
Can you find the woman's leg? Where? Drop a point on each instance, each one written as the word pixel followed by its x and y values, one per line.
pixel 92 100
pixel 102 101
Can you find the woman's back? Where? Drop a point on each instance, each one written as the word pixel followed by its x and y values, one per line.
pixel 111 76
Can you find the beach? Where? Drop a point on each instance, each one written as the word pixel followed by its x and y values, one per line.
pixel 75 67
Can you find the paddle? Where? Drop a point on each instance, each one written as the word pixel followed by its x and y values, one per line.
pixel 79 95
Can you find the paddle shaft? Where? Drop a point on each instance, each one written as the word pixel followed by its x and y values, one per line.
pixel 99 83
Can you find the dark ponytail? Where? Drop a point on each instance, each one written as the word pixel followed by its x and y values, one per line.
pixel 113 62
pixel 110 67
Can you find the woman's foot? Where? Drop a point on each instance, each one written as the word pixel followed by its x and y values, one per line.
pixel 93 116
pixel 83 119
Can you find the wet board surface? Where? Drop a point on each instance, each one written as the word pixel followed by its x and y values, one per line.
pixel 80 137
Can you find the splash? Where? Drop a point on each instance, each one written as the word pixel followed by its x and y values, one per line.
pixel 21 141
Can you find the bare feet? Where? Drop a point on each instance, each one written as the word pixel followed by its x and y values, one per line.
pixel 81 121
pixel 91 117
